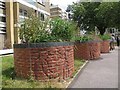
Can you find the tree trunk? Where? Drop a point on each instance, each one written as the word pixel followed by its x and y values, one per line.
pixel 102 30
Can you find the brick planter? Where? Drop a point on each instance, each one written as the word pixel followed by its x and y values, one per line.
pixel 87 50
pixel 44 61
pixel 105 46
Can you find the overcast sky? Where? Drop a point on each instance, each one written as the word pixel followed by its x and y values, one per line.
pixel 62 3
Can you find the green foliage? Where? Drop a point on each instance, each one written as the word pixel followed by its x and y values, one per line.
pixel 33 30
pixel 83 38
pixel 105 37
pixel 105 14
pixel 84 14
pixel 100 14
pixel 62 30
pixel 116 10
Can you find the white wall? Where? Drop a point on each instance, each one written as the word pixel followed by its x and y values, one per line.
pixel 2 37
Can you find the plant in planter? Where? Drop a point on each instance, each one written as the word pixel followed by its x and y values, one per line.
pixel 46 53
pixel 83 38
pixel 105 37
pixel 33 30
pixel 62 30
pixel 87 48
pixel 105 44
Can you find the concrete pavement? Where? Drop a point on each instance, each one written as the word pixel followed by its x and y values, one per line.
pixel 102 73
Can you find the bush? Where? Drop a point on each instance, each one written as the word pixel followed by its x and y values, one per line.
pixel 83 38
pixel 105 37
pixel 33 30
pixel 62 30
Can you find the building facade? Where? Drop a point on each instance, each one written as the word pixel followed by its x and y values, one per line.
pixel 55 11
pixel 14 12
pixel 64 15
pixel 2 24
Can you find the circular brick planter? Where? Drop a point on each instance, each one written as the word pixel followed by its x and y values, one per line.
pixel 44 61
pixel 87 50
pixel 105 46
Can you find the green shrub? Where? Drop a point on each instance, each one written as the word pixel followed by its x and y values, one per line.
pixel 33 30
pixel 62 30
pixel 83 38
pixel 105 37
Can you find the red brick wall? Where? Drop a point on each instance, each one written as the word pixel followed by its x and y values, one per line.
pixel 87 51
pixel 105 46
pixel 46 63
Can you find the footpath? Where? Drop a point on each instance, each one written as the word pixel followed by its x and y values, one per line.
pixel 102 73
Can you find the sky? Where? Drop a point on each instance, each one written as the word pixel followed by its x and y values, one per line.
pixel 62 3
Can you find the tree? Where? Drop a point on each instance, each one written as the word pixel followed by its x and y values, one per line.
pixel 117 15
pixel 105 17
pixel 96 14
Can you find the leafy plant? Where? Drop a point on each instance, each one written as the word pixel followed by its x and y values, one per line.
pixel 105 37
pixel 62 30
pixel 83 38
pixel 102 15
pixel 33 30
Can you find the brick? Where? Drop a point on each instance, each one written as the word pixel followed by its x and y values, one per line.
pixel 87 50
pixel 46 63
pixel 105 46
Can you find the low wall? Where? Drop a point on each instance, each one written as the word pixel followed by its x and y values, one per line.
pixel 45 60
pixel 87 50
pixel 105 46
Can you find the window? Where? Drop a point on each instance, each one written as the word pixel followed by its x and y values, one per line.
pixel 2 19
pixel 2 11
pixel 20 11
pixel 3 29
pixel 42 16
pixel 2 4
pixel 23 12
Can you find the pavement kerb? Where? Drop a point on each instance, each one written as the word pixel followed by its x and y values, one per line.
pixel 6 55
pixel 76 75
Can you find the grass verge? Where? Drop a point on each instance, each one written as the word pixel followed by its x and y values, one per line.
pixel 8 82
